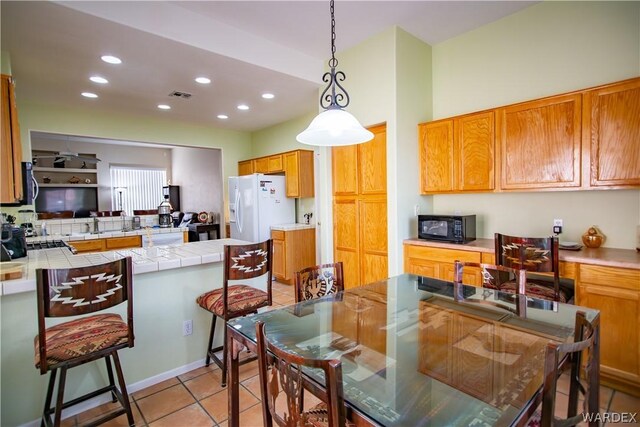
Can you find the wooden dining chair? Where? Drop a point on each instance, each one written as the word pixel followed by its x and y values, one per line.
pixel 533 255
pixel 282 392
pixel 585 339
pixel 66 292
pixel 241 262
pixel 318 281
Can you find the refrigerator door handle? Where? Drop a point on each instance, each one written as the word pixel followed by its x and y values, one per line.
pixel 238 212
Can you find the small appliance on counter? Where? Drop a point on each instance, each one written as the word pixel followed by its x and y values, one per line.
pixel 14 244
pixel 447 228
pixel 26 218
pixel 164 213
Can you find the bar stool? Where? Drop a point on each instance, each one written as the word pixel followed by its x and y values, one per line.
pixel 241 262
pixel 79 291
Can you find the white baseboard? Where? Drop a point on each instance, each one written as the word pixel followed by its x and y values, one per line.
pixel 131 388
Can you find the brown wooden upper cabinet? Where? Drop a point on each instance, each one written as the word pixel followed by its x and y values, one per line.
pixel 612 134
pixel 11 149
pixel 540 143
pixel 581 140
pixel 457 155
pixel 297 166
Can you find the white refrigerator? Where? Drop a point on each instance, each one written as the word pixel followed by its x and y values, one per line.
pixel 256 202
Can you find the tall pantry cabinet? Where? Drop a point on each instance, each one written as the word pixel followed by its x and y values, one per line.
pixel 360 209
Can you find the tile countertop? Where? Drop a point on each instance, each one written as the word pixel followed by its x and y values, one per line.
pixel 612 257
pixel 289 227
pixel 106 234
pixel 144 260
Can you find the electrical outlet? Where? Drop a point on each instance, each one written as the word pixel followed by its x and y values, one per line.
pixel 187 327
pixel 557 223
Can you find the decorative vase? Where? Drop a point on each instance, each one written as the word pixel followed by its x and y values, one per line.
pixel 593 238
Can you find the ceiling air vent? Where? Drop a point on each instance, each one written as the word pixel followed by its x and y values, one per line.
pixel 179 94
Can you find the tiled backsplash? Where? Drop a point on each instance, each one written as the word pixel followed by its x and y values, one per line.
pixel 84 225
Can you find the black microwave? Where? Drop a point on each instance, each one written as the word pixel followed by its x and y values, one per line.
pixel 447 228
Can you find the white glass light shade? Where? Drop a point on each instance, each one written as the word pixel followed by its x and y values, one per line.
pixel 334 127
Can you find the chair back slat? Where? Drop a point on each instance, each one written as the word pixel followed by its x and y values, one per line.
pixel 539 254
pixel 318 281
pixel 247 261
pixel 281 377
pixel 83 290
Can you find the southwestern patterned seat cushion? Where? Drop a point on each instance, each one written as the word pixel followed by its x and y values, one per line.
pixel 537 290
pixel 240 298
pixel 82 337
pixel 318 416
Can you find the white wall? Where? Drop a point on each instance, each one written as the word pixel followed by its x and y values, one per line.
pixel 549 48
pixel 109 155
pixel 198 172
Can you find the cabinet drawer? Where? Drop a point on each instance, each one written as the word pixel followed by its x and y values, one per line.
pixel 610 276
pixel 277 234
pixel 124 242
pixel 95 245
pixel 275 163
pixel 441 255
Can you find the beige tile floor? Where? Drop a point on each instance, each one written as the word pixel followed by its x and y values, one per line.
pixel 196 398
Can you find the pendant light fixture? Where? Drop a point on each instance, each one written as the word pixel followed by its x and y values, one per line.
pixel 334 126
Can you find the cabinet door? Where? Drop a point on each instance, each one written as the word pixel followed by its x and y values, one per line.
pixel 245 167
pixel 11 148
pixel 470 276
pixel 292 172
pixel 372 163
pixel 346 241
pixel 615 292
pixel 94 245
pixel 474 152
pixel 305 173
pixel 344 162
pixel 612 129
pixel 275 163
pixel 123 242
pixel 373 238
pixel 540 143
pixel 473 357
pixel 261 165
pixel 436 156
pixel 279 257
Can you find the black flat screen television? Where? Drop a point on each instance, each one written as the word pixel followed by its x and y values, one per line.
pixel 81 200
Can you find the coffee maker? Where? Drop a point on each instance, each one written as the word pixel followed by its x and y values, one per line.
pixel 26 219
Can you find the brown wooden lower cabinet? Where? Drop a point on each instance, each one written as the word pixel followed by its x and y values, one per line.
pixel 108 244
pixel 293 250
pixel 615 292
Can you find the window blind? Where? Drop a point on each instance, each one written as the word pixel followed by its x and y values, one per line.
pixel 141 188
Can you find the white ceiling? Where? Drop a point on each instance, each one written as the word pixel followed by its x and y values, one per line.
pixel 245 47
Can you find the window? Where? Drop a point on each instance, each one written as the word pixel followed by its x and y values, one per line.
pixel 136 188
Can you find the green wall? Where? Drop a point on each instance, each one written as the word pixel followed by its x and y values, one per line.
pixel 281 137
pixel 549 48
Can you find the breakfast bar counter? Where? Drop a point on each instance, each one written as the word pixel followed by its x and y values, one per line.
pixel 166 284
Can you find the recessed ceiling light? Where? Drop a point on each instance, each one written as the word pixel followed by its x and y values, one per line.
pixel 203 80
pixel 111 59
pixel 98 79
pixel 268 96
pixel 243 107
pixel 89 95
pixel 223 116
pixel 164 107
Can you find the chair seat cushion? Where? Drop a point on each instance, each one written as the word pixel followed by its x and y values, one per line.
pixel 240 298
pixel 318 416
pixel 537 290
pixel 82 337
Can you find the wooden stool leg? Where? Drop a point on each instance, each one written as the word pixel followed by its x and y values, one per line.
pixel 47 402
pixel 114 398
pixel 60 398
pixel 123 388
pixel 224 358
pixel 213 329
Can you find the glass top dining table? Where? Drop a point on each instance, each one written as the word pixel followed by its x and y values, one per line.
pixel 421 351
